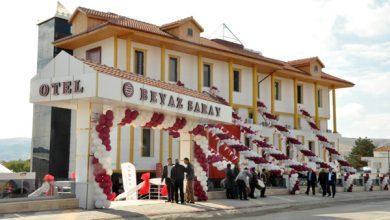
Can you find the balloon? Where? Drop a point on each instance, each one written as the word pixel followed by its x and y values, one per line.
pixel 99 204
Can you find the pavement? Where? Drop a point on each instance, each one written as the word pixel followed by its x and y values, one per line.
pixel 216 209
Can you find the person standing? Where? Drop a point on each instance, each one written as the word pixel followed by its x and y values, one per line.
pixel 263 177
pixel 178 178
pixel 254 183
pixel 331 183
pixel 241 180
pixel 168 180
pixel 190 181
pixel 311 182
pixel 236 171
pixel 229 183
pixel 322 179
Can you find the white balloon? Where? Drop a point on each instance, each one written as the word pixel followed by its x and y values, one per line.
pixel 99 204
pixel 106 204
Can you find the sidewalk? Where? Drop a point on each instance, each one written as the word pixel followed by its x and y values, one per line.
pixel 213 208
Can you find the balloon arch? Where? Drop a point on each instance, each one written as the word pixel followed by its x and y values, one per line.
pixel 229 147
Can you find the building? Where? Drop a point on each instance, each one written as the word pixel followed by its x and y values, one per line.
pixel 162 56
pixel 380 162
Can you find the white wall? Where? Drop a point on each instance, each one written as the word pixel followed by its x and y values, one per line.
pixel 107 46
pixel 244 96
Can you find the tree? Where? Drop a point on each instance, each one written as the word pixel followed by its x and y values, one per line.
pixel 18 165
pixel 364 147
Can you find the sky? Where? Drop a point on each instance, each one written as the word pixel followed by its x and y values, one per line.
pixel 352 38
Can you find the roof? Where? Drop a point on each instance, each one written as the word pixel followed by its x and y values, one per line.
pixel 305 61
pixel 152 82
pixel 180 22
pixel 382 149
pixel 122 21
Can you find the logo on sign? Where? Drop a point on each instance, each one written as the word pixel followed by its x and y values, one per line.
pixel 128 89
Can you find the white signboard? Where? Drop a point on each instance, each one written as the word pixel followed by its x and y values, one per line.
pixel 129 182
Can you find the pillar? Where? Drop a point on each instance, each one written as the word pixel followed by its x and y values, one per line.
pixel 334 109
pixel 272 93
pixel 86 113
pixel 200 73
pixel 296 118
pixel 316 117
pixel 231 83
pixel 255 89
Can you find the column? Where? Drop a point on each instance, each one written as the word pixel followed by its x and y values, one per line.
pixel 231 83
pixel 200 73
pixel 86 112
pixel 296 118
pixel 116 51
pixel 334 109
pixel 272 93
pixel 255 89
pixel 316 105
pixel 162 70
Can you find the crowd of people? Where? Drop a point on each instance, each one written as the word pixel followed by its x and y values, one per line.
pixel 174 175
pixel 240 183
pixel 326 179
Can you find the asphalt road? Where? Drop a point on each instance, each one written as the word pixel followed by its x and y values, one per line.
pixel 361 211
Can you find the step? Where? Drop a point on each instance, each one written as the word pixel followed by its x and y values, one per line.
pixel 31 205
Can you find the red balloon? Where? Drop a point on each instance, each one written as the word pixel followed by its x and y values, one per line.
pixel 102 119
pixel 109 123
pixel 110 115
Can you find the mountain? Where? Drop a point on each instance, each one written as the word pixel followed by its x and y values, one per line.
pixel 15 149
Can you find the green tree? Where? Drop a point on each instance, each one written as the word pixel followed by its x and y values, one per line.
pixel 18 165
pixel 363 148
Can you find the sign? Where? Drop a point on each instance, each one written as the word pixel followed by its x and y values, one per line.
pixel 129 178
pixel 173 101
pixel 159 169
pixel 57 88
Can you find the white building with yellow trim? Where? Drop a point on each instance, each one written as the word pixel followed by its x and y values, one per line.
pixel 177 52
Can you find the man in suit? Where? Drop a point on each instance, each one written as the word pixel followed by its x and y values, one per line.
pixel 311 182
pixel 178 178
pixel 190 181
pixel 331 182
pixel 322 179
pixel 167 175
pixel 229 182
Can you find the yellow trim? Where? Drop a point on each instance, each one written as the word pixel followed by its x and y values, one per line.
pixel 200 73
pixel 242 106
pixel 316 105
pixel 255 93
pixel 211 73
pixel 162 78
pixel 323 153
pixel 280 142
pixel 131 157
pixel 118 146
pixel 116 51
pixel 145 59
pixel 231 83
pixel 161 145
pixel 170 146
pixel 128 54
pixel 178 66
pixel 295 104
pixel 272 93
pixel 334 110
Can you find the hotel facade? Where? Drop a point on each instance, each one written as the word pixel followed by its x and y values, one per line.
pixel 169 54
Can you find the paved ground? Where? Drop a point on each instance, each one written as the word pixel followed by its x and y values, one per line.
pixel 362 211
pixel 218 209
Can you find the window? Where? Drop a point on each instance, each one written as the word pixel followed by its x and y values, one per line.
pixel 278 95
pixel 300 94
pixel 207 75
pixel 139 62
pixel 247 141
pixel 94 55
pixel 319 94
pixel 173 69
pixel 315 68
pixel 311 146
pixel 236 80
pixel 147 148
pixel 190 32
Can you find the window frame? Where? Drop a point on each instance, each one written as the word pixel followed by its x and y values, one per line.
pixel 177 68
pixel 144 51
pixel 211 74
pixel 278 95
pixel 190 32
pixel 320 100
pixel 151 142
pixel 99 48
pixel 239 79
pixel 302 96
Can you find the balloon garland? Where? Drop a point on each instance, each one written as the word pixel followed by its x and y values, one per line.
pixel 344 164
pixel 101 161
pixel 348 182
pixel 272 121
pixel 368 182
pixel 201 168
pixel 294 183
